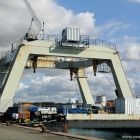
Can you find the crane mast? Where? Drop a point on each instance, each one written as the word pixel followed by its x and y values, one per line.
pixel 35 19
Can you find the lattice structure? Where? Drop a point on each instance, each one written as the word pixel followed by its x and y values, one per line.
pixel 104 68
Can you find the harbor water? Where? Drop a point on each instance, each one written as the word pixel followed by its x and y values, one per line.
pixel 108 134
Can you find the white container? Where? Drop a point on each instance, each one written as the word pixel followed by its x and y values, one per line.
pixel 48 110
pixel 71 34
pixel 70 106
pixel 72 100
pixel 101 100
pixel 127 106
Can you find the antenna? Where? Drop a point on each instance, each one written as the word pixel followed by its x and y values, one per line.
pixel 43 30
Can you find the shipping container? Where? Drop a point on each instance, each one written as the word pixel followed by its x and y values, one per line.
pixel 71 110
pixel 33 108
pixel 71 34
pixel 77 111
pixel 127 106
pixel 61 110
pixel 24 113
pixel 25 110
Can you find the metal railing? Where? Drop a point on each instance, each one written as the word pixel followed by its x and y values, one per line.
pixel 48 37
pixel 14 47
pixel 85 40
pixel 103 43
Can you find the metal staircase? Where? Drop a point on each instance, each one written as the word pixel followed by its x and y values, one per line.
pixel 6 64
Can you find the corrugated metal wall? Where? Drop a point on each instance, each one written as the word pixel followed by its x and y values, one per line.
pixel 127 106
pixel 71 34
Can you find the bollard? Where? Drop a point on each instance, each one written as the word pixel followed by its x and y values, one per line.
pixel 66 127
pixel 8 123
pixel 43 129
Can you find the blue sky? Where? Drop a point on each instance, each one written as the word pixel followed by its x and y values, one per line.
pixel 119 13
pixel 117 21
pixel 108 10
pixel 105 10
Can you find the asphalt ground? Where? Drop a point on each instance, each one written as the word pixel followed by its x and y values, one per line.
pixel 16 133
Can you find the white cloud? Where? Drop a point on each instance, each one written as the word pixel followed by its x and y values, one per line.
pixel 133 0
pixel 15 19
pixel 47 86
pixel 129 47
pixel 22 86
pixel 48 78
pixel 134 83
pixel 131 66
pixel 57 17
pixel 55 85
pixel 100 85
pixel 132 53
pixel 112 27
pixel 60 88
pixel 131 83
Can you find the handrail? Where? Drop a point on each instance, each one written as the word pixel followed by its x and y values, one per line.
pixel 48 37
pixel 56 38
pixel 103 43
pixel 14 47
pixel 91 41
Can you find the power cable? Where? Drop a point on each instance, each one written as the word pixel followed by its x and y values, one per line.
pixel 124 69
pixel 7 103
pixel 110 81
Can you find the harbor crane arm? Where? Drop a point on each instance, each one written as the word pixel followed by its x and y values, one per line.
pixel 34 18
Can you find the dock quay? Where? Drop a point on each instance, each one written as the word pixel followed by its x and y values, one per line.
pixel 103 120
pixel 15 132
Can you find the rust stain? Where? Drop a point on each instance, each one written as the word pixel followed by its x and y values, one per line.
pixel 131 116
pixel 22 50
pixel 44 63
pixel 47 58
pixel 90 116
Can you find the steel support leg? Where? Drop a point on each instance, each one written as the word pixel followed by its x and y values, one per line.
pixel 84 87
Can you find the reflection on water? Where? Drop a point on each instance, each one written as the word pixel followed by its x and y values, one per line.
pixel 109 134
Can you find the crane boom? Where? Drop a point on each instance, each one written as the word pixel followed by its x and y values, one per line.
pixel 34 17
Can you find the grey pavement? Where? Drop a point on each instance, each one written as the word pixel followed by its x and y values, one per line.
pixel 15 133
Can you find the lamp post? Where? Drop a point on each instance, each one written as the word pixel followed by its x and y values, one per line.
pixel 40 100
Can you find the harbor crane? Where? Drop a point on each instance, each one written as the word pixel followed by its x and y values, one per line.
pixel 41 53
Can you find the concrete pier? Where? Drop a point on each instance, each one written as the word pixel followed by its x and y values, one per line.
pixel 16 132
pixel 103 120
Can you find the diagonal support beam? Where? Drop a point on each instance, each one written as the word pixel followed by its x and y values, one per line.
pixel 11 85
pixel 84 87
pixel 122 87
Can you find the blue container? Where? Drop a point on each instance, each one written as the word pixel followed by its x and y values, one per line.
pixel 61 110
pixel 34 108
pixel 71 110
pixel 77 111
